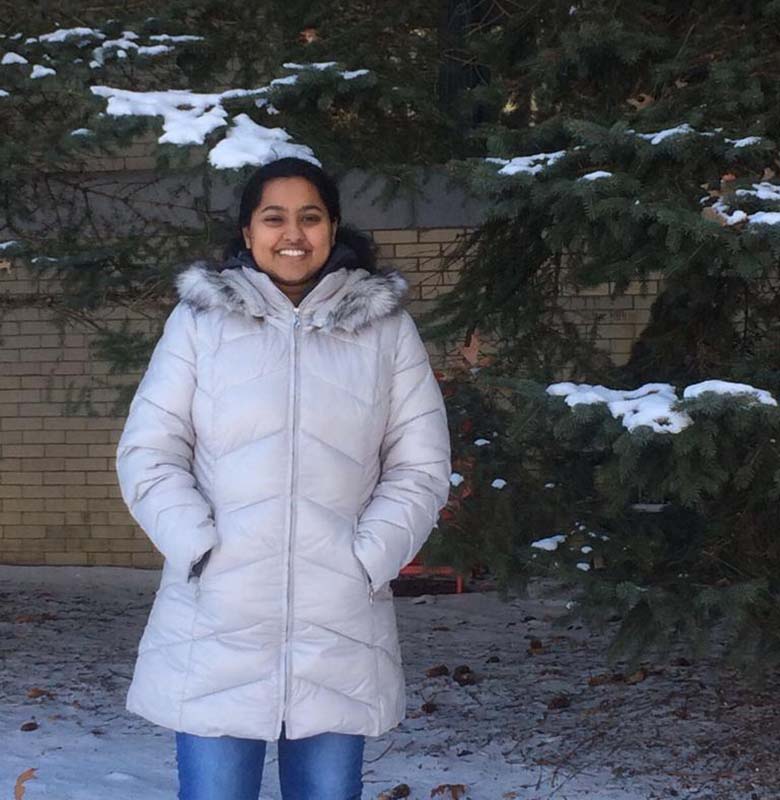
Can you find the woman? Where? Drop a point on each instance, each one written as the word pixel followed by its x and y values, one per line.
pixel 287 452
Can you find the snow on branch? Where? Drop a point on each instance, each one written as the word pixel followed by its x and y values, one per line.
pixel 13 58
pixel 165 37
pixel 121 46
pixel 538 162
pixel 103 47
pixel 654 404
pixel 722 210
pixel 188 117
pixel 315 66
pixel 594 176
pixel 318 65
pixel 550 543
pixel 727 388
pixel 249 143
pixel 530 165
pixel 83 35
pixel 39 71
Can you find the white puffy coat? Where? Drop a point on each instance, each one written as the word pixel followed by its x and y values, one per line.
pixel 308 449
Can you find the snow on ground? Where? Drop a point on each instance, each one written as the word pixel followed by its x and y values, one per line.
pixel 546 719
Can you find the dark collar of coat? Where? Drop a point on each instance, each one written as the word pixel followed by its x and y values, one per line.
pixel 354 297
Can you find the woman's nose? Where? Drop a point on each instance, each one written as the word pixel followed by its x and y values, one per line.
pixel 293 232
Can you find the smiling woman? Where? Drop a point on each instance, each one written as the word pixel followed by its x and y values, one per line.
pixel 287 451
pixel 290 234
pixel 290 228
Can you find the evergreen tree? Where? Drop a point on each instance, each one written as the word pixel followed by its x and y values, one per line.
pixel 624 141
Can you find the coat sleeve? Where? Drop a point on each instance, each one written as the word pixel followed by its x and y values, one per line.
pixel 415 473
pixel 154 455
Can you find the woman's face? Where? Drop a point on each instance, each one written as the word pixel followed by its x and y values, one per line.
pixel 290 234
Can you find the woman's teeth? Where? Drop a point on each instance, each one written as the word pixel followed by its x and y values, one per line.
pixel 292 252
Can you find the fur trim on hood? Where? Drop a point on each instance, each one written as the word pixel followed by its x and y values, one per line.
pixel 360 299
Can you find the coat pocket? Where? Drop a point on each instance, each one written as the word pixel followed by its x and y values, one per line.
pixel 366 577
pixel 196 570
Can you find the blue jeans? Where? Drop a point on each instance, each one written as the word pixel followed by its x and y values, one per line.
pixel 323 767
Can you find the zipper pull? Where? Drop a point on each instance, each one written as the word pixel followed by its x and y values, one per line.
pixel 297 319
pixel 370 592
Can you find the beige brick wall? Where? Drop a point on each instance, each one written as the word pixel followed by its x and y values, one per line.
pixel 620 319
pixel 141 154
pixel 59 501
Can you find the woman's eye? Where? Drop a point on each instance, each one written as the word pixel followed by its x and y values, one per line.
pixel 272 220
pixel 311 219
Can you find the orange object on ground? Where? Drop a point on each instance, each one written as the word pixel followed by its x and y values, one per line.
pixel 416 567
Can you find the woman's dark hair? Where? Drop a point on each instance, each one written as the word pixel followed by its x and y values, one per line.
pixel 290 167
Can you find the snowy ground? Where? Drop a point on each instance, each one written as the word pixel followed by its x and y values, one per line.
pixel 542 721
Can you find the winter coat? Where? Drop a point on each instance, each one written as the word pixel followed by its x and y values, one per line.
pixel 307 449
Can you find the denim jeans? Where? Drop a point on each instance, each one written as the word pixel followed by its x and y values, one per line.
pixel 323 767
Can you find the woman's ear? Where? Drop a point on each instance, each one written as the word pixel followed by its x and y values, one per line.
pixel 247 237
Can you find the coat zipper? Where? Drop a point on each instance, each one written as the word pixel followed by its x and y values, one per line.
pixel 293 466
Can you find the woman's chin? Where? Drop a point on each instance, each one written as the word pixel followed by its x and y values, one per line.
pixel 292 278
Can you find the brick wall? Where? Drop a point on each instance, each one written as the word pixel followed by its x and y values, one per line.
pixel 620 319
pixel 59 501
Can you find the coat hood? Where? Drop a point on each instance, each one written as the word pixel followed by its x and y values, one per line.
pixel 347 299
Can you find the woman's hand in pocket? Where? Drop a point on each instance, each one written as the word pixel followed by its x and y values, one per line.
pixel 197 567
